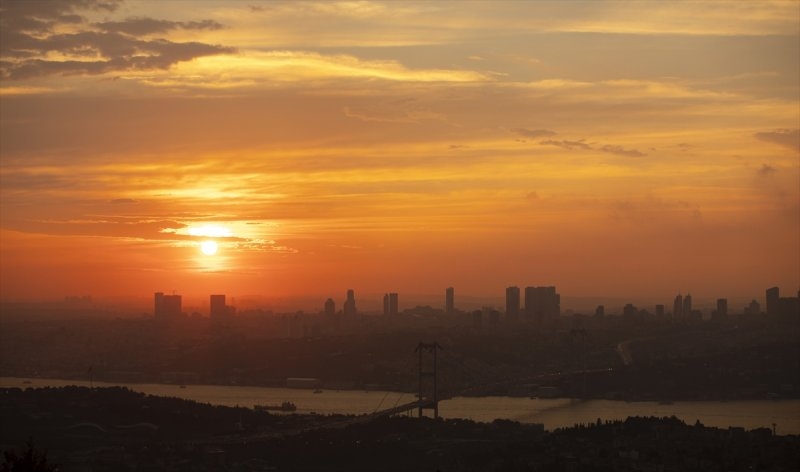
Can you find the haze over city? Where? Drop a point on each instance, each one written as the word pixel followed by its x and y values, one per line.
pixel 460 236
pixel 622 149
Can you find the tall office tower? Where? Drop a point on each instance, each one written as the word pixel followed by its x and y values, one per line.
pixel 512 302
pixel 660 311
pixel 722 307
pixel 449 300
pixel 218 310
pixel 158 308
pixel 172 306
pixel 542 303
pixel 390 304
pixel 687 305
pixel 350 303
pixel 773 301
pixel 330 307
pixel 167 307
pixel 677 307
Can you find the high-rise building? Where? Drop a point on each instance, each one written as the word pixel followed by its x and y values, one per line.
pixel 390 304
pixel 630 312
pixel 600 311
pixel 782 306
pixel 218 310
pixel 330 307
pixel 677 307
pixel 449 300
pixel 773 301
pixel 158 303
pixel 542 303
pixel 687 305
pixel 660 311
pixel 722 308
pixel 350 303
pixel 166 307
pixel 512 302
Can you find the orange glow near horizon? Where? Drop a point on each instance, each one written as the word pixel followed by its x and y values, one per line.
pixel 307 148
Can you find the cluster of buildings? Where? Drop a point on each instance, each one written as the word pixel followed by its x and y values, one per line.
pixel 541 305
pixel 169 307
pixel 782 306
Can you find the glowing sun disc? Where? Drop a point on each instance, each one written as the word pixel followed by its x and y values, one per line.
pixel 209 248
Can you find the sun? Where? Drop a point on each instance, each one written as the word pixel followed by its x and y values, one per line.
pixel 209 248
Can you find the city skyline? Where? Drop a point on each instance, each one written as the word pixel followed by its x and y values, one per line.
pixel 541 305
pixel 284 149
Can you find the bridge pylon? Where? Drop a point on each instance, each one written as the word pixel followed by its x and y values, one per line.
pixel 427 378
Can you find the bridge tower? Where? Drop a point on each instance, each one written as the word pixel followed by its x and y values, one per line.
pixel 427 378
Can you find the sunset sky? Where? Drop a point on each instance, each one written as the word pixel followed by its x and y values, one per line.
pixel 608 148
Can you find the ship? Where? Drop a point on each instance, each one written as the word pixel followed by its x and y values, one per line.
pixel 285 406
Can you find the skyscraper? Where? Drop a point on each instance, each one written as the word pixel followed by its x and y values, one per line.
pixel 449 300
pixel 166 307
pixel 512 302
pixel 158 304
pixel 542 304
pixel 330 307
pixel 722 308
pixel 677 307
pixel 350 303
pixel 390 304
pixel 773 301
pixel 660 311
pixel 687 305
pixel 218 310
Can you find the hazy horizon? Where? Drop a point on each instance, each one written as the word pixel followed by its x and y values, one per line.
pixel 372 303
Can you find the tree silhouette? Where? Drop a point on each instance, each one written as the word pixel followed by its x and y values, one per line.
pixel 32 460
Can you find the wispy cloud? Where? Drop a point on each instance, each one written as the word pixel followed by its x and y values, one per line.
pixel 533 133
pixel 789 138
pixel 621 151
pixel 567 144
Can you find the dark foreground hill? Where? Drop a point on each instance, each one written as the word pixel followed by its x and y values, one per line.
pixel 115 429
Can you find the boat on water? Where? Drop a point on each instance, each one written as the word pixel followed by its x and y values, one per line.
pixel 318 391
pixel 285 406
